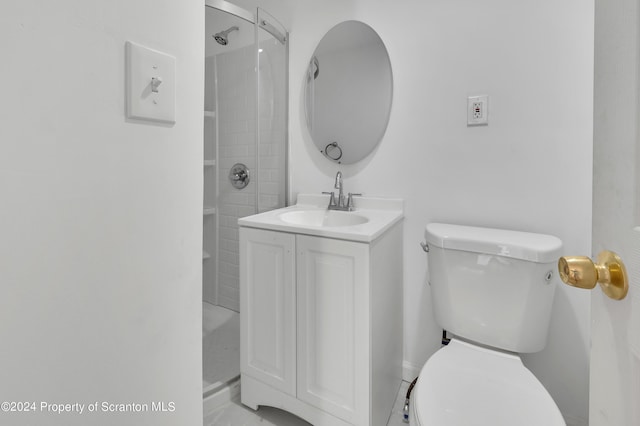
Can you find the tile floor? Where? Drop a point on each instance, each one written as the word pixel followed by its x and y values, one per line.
pixel 236 414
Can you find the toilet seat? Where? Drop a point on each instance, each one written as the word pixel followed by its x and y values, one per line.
pixel 464 384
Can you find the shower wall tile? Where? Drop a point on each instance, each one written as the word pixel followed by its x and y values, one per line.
pixel 237 144
pixel 236 83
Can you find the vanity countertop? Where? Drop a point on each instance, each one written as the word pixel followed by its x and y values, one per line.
pixel 380 214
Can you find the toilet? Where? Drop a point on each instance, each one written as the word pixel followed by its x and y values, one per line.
pixel 492 290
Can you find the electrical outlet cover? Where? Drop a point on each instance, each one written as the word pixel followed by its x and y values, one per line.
pixel 477 110
pixel 151 93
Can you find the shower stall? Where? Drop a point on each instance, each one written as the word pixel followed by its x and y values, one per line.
pixel 245 146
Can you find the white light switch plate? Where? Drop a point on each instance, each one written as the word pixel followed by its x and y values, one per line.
pixel 151 91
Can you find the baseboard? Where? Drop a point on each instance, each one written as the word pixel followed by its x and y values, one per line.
pixel 410 371
pixel 575 421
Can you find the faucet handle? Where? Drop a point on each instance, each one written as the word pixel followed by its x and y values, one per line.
pixel 332 199
pixel 350 200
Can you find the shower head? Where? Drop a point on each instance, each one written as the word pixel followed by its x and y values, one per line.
pixel 221 37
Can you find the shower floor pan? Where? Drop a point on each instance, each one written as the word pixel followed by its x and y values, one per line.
pixel 220 348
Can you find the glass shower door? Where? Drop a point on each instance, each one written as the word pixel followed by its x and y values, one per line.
pixel 236 146
pixel 228 120
pixel 272 59
pixel 252 134
pixel 245 148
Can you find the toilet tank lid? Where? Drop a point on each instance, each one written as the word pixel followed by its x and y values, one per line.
pixel 528 246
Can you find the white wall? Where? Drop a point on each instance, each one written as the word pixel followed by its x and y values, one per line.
pixel 101 219
pixel 530 169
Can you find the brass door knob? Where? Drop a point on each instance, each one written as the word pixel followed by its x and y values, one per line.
pixel 609 271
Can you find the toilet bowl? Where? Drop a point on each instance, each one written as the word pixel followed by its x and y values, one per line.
pixel 492 290
pixel 464 384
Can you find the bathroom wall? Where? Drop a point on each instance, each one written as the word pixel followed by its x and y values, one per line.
pixel 101 218
pixel 529 169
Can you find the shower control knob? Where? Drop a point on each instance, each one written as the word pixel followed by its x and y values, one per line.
pixel 239 176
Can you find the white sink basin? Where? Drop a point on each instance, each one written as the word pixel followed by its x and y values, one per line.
pixel 322 218
pixel 371 218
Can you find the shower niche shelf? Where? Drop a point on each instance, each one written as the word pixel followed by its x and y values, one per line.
pixel 209 114
pixel 208 211
pixel 209 163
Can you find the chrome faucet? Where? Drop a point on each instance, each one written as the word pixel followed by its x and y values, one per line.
pixel 340 203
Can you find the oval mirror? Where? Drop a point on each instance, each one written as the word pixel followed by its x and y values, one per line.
pixel 348 92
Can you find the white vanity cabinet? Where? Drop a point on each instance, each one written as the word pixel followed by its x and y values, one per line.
pixel 268 307
pixel 333 326
pixel 321 324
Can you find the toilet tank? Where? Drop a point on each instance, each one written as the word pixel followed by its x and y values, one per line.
pixel 493 286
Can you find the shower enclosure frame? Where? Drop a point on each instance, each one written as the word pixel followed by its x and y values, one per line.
pixel 258 23
pixel 232 9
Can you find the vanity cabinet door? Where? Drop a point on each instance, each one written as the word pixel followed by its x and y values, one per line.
pixel 267 307
pixel 333 326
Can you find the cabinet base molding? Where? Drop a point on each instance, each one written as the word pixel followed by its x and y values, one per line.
pixel 255 394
